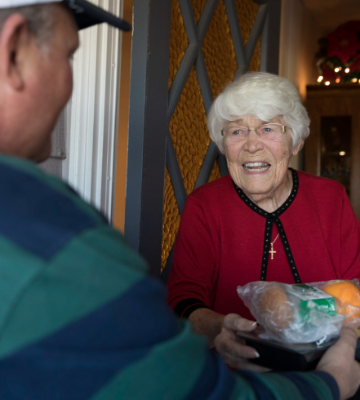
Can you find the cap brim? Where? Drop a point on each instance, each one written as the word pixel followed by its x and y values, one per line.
pixel 87 14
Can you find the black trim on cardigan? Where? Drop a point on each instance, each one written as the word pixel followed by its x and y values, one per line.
pixel 273 218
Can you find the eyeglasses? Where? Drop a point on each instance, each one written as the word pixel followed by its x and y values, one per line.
pixel 266 132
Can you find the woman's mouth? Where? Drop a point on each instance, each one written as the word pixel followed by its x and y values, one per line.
pixel 256 166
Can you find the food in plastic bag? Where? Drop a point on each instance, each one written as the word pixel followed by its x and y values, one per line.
pixel 303 313
pixel 349 295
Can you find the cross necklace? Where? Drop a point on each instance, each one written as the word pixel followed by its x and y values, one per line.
pixel 272 251
pixel 273 219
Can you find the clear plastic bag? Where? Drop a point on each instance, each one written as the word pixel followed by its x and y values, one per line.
pixel 303 313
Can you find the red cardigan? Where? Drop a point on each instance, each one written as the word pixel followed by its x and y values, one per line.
pixel 220 243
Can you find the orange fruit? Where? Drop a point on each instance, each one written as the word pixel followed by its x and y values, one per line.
pixel 349 296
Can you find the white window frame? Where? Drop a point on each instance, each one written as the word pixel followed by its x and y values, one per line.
pixel 92 113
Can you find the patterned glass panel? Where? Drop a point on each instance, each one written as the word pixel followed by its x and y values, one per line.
pixel 171 220
pixel 198 7
pixel 246 12
pixel 255 59
pixel 191 140
pixel 188 124
pixel 178 40
pixel 189 131
pixel 215 173
pixel 218 51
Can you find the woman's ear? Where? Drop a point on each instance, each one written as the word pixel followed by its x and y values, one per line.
pixel 297 148
pixel 15 39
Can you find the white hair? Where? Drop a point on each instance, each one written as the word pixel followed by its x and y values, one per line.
pixel 264 96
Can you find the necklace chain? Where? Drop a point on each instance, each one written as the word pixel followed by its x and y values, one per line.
pixel 272 244
pixel 272 251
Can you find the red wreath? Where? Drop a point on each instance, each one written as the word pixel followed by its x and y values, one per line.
pixel 344 42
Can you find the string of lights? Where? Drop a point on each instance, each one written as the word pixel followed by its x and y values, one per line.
pixel 338 57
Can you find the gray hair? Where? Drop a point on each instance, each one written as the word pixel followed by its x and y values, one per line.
pixel 40 20
pixel 264 96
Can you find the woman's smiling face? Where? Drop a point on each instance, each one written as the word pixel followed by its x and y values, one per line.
pixel 258 166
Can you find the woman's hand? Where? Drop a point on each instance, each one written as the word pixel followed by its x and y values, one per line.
pixel 339 361
pixel 231 348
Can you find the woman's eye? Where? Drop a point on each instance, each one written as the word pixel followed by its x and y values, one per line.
pixel 240 132
pixel 267 130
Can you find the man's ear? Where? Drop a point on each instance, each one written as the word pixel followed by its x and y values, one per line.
pixel 14 38
pixel 297 148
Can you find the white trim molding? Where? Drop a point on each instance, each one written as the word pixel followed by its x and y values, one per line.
pixel 91 141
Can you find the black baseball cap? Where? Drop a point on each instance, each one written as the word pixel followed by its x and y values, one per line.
pixel 86 13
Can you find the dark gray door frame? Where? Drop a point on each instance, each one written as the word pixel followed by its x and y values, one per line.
pixel 148 128
pixel 150 146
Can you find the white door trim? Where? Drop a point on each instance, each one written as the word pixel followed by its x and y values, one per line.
pixel 91 142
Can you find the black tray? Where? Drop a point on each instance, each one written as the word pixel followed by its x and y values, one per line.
pixel 288 357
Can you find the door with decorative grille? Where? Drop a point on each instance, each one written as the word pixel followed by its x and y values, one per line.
pixel 184 52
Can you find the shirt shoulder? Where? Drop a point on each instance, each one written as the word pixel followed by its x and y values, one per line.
pixel 220 187
pixel 319 184
pixel 38 212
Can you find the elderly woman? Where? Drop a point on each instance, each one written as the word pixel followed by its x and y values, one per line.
pixel 263 221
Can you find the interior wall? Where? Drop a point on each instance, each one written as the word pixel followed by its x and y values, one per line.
pixel 122 141
pixel 298 44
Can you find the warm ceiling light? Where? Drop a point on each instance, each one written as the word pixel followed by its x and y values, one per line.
pixel 337 69
pixel 320 78
pixel 354 80
pixel 347 70
pixel 342 153
pixel 337 80
pixel 327 83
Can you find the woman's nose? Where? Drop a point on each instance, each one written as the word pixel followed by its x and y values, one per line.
pixel 253 142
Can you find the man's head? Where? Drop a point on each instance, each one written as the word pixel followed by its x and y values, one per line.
pixel 37 43
pixel 40 19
